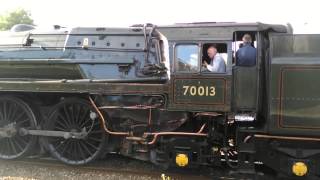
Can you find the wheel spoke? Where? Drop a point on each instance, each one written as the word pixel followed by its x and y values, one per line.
pixel 83 156
pixel 18 145
pixel 13 148
pixel 83 119
pixel 73 120
pixel 5 146
pixel 5 110
pixel 78 113
pixel 94 125
pixel 1 114
pixel 83 114
pixel 61 124
pixel 86 148
pixel 65 147
pixel 66 112
pixel 75 150
pixel 22 140
pixel 94 139
pixel 60 144
pixel 23 121
pixel 64 121
pixel 96 132
pixel 59 128
pixel 91 145
pixel 14 112
pixel 9 111
pixel 17 119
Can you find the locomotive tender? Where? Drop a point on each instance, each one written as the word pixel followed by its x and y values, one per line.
pixel 83 92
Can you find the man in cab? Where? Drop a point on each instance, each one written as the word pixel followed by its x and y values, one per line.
pixel 247 54
pixel 217 63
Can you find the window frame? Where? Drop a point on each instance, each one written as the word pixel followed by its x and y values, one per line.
pixel 200 46
pixel 175 45
pixel 229 55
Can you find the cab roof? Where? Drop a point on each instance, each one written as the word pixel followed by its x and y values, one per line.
pixel 216 30
pixel 256 25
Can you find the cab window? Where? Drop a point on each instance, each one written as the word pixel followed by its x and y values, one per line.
pixel 187 58
pixel 214 58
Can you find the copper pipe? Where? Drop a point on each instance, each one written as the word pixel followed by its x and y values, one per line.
pixel 202 128
pixel 246 139
pixel 286 137
pixel 155 135
pixel 213 114
pixel 103 121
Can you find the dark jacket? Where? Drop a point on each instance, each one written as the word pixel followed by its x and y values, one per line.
pixel 246 56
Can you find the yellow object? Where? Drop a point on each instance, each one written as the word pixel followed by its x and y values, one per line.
pixel 182 160
pixel 164 177
pixel 299 169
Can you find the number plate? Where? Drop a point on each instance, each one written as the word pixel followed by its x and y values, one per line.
pixel 199 91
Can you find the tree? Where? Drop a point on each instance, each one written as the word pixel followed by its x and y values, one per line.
pixel 19 16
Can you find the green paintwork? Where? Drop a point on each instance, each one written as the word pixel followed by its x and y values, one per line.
pixel 245 88
pixel 299 96
pixel 81 87
pixel 295 85
pixel 36 70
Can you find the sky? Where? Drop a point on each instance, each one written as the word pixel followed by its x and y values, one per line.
pixel 303 15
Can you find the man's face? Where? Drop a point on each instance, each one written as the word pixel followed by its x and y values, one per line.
pixel 212 52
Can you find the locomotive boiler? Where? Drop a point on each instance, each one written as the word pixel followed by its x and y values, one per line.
pixel 141 91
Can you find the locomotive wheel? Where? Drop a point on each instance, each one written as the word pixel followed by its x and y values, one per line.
pixel 73 115
pixel 15 114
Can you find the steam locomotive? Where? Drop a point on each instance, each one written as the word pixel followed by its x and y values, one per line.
pixel 140 91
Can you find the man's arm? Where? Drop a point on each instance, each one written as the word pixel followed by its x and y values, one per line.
pixel 211 68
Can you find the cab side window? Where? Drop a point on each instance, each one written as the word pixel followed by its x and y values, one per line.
pixel 187 58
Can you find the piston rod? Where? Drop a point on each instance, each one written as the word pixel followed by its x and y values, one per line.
pixel 47 133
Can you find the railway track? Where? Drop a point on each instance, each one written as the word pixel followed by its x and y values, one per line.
pixel 115 165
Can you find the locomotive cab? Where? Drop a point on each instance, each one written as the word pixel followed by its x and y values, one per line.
pixel 193 87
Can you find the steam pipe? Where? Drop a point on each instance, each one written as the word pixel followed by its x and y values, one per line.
pixel 156 135
pixel 103 122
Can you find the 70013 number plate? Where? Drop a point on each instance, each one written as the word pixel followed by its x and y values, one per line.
pixel 199 91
